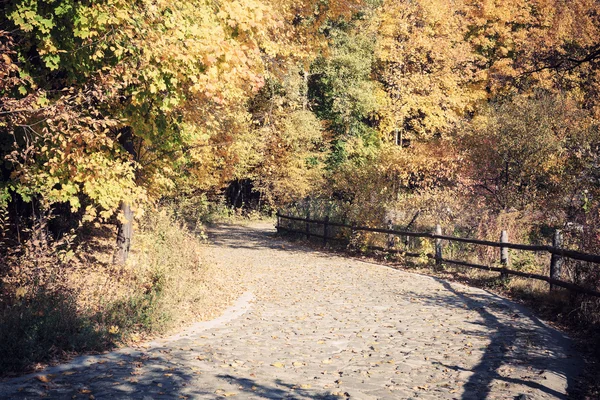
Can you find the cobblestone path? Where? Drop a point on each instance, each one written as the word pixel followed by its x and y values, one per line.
pixel 318 326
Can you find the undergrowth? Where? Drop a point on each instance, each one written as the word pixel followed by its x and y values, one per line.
pixel 58 299
pixel 196 211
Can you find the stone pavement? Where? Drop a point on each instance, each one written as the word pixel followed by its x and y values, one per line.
pixel 318 326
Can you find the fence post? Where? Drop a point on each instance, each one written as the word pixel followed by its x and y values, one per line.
pixel 278 223
pixel 504 254
pixel 390 241
pixel 352 234
pixel 556 260
pixel 438 247
pixel 307 224
pixel 325 229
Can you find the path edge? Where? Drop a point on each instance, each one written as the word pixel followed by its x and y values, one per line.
pixel 242 305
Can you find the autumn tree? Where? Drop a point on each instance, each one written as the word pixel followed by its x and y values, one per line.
pixel 520 150
pixel 149 92
pixel 427 67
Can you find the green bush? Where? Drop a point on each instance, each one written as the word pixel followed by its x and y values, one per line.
pixel 43 327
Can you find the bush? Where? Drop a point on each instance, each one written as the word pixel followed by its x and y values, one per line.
pixel 44 327
pixel 39 316
pixel 56 299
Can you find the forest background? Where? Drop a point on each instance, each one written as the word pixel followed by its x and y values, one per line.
pixel 480 115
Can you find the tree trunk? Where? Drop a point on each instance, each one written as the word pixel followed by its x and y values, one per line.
pixel 305 90
pixel 125 220
pixel 124 234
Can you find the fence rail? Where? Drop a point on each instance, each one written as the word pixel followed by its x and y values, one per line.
pixel 557 253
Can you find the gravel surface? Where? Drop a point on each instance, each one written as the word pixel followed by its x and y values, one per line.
pixel 318 326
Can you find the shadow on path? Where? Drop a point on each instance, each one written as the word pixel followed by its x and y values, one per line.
pixel 141 375
pixel 279 390
pixel 254 237
pixel 538 349
pixel 512 338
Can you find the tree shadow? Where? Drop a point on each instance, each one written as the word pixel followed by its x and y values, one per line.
pixel 533 347
pixel 256 238
pixel 144 375
pixel 131 375
pixel 279 390
pixel 516 343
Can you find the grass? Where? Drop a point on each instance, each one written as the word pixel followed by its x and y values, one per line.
pixel 89 304
pixel 44 328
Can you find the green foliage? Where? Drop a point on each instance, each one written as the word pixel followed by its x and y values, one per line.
pixel 138 313
pixel 42 326
pixel 343 92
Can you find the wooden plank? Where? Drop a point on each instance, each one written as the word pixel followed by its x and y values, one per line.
pixel 576 255
pixel 439 247
pixel 552 281
pixel 504 254
pixel 314 221
pixel 556 282
pixel 316 235
pixel 556 260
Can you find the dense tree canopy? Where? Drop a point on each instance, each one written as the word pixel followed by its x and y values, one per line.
pixel 113 102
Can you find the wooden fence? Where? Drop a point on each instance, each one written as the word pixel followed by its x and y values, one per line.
pixel 556 251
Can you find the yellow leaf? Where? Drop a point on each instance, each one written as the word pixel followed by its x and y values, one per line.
pixel 20 292
pixel 277 365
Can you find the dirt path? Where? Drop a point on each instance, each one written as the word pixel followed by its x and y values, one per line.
pixel 316 326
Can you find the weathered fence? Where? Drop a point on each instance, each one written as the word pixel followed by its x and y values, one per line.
pixel 556 250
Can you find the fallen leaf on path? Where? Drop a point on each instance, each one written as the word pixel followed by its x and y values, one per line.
pixel 223 393
pixel 340 394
